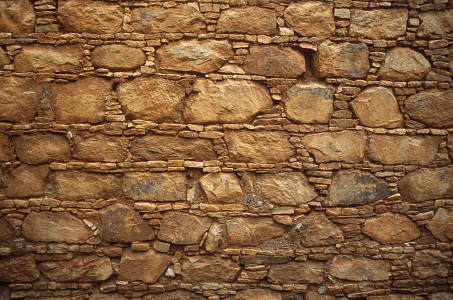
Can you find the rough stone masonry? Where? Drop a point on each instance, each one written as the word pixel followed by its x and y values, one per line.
pixel 226 149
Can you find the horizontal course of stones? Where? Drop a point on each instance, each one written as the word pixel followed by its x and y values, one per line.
pixel 226 149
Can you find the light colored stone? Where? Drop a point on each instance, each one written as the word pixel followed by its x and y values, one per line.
pixel 4 59
pixel 5 148
pixel 416 150
pixel 42 148
pixel 436 24
pixel 430 263
pixel 317 230
pixel 18 99
pixel 404 64
pixel 228 101
pixel 441 225
pixel 250 20
pixel 359 268
pixel 143 266
pixel 216 238
pixel 252 231
pixel 379 24
pixel 297 272
pixel 182 228
pixel 309 103
pixel 27 181
pixel 155 186
pixel 58 227
pixel 100 147
pixel 377 107
pixel 441 296
pixel 257 294
pixel 390 228
pixel 201 56
pixel 17 16
pixel 208 269
pixel 118 57
pixel 311 18
pixel 433 108
pixel 222 188
pixel 18 269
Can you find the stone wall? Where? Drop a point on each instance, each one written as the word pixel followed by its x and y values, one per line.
pixel 226 149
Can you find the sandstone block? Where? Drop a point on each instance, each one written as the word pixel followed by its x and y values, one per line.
pixel 216 237
pixel 379 24
pixel 427 184
pixel 183 229
pixel 415 66
pixel 359 268
pixel 297 272
pixel 143 266
pixel 7 234
pixel 440 296
pixel 208 268
pixel 27 181
pixel 18 99
pixel 174 295
pixel 311 18
pixel 430 263
pixel 5 148
pixel 317 230
pixel 441 226
pixel 222 188
pixel 395 297
pixel 155 186
pixel 101 147
pixel 257 294
pixel 391 228
pixel 42 148
pixel 250 20
pixel 314 295
pixel 252 231
pixel 4 59
pixel 433 108
pixel 17 16
pixel 18 269
pixel 118 57
pixel 436 24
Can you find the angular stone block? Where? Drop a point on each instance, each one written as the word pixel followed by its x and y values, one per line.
pixel 42 148
pixel 250 20
pixel 317 230
pixel 18 269
pixel 436 24
pixel 101 147
pixel 252 231
pixel 19 99
pixel 297 272
pixel 441 225
pixel 222 188
pixel 182 228
pixel 118 57
pixel 155 186
pixel 311 18
pixel 17 16
pixel 143 266
pixel 208 269
pixel 430 263
pixel 379 24
pixel 359 268
pixel 390 228
pixel 27 181
pixel 414 67
pixel 433 108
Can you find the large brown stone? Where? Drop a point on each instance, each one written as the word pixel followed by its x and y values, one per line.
pixel 118 57
pixel 355 188
pixel 122 224
pixel 183 229
pixel 42 148
pixel 208 269
pixel 222 188
pixel 5 148
pixel 18 99
pixel 52 226
pixel 80 101
pixel 311 18
pixel 342 60
pixel 228 101
pixel 101 147
pixel 201 56
pixel 404 64
pixel 250 20
pixel 78 185
pixel 155 186
pixel 430 263
pixel 297 272
pixel 433 108
pixel 90 16
pixel 377 107
pixel 379 24
pixel 273 61
pixel 89 268
pixel 346 146
pixel 440 296
pixel 416 150
pixel 317 230
pixel 154 19
pixel 4 59
pixel 143 266
pixel 441 226
pixel 391 228
pixel 264 147
pixel 359 268
pixel 18 269
pixel 165 147
pixel 436 24
pixel 17 16
pixel 427 184
pixel 174 295
pixel 309 103
pixel 252 231
pixel 257 294
pixel 288 188
pixel 27 181
pixel 7 234
pixel 154 99
pixel 395 297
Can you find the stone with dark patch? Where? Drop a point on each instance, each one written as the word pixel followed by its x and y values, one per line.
pixel 433 108
pixel 431 263
pixel 155 186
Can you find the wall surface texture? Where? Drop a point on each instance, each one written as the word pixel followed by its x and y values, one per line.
pixel 226 149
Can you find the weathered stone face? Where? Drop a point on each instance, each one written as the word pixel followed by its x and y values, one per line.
pixel 18 269
pixel 404 64
pixel 174 295
pixel 154 99
pixel 155 186
pixel 342 60
pixel 252 231
pixel 118 57
pixel 7 234
pixel 441 226
pixel 90 16
pixel 5 149
pixel 17 16
pixel 250 20
pixel 436 24
pixel 433 108
pixel 359 268
pixel 450 145
pixel 430 263
pixel 222 188
pixel 403 149
pixel 108 148
pixel 193 56
pixel 297 272
pixel 55 227
pixel 273 61
pixel 216 237
pixel 311 18
pixel 309 103
pixel 440 296
pixel 183 18
pixel 208 268
pixel 4 59
pixel 377 107
pixel 183 229
pixel 144 266
pixel 317 230
pixel 391 228
pixel 379 24
pixel 228 101
pixel 27 181
pixel 257 294
pixel 42 148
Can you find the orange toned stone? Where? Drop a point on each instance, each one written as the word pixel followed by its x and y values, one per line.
pixel 391 228
pixel 441 225
pixel 250 20
pixel 208 269
pixel 433 108
pixel 118 57
pixel 297 272
pixel 144 266
pixel 379 24
pixel 42 148
pixel 311 18
pixel 17 16
pixel 317 230
pixel 359 268
pixel 252 231
pixel 101 147
pixel 182 228
pixel 19 99
pixel 27 181
pixel 415 66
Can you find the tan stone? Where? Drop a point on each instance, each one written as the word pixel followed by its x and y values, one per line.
pixel 359 268
pixel 154 99
pixel 441 226
pixel 391 228
pixel 377 107
pixel 297 272
pixel 5 148
pixel 427 184
pixel 252 231
pixel 264 147
pixel 416 150
pixel 346 146
pixel 450 144
pixel 208 269
pixel 404 64
pixel 7 234
pixel 27 181
pixel 120 223
pixel 155 186
pixel 317 230
pixel 395 297
pixel 17 16
pixel 18 269
pixel 436 24
pixel 42 148
pixel 433 108
pixel 250 20
pixel 143 266
pixel 228 101
pixel 98 295
pixel 440 296
pixel 314 295
pixel 183 229
pixel 309 103
pixel 101 147
pixel 174 295
pixel 90 16
pixel 257 294
pixel 311 18
pixel 430 263
pixel 18 99
pixel 81 101
pixel 183 18
pixel 118 57
pixel 201 56
pixel 273 61
pixel 4 59
pixel 216 238
pixel 222 188
pixel 379 24
pixel 78 185
pixel 58 227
